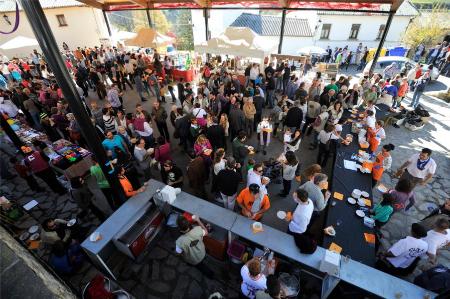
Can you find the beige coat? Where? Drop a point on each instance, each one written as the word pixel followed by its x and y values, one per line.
pixel 249 110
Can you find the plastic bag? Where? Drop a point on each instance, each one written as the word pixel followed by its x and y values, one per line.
pixel 290 284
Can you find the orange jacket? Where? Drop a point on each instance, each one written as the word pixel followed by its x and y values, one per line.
pixel 246 199
pixel 403 89
pixel 127 187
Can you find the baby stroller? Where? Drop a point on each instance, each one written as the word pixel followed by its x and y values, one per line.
pixel 272 170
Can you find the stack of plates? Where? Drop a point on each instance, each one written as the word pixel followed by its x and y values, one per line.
pixel 360 213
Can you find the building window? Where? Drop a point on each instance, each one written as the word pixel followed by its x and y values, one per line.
pixel 325 33
pixel 381 31
pixel 61 20
pixel 354 31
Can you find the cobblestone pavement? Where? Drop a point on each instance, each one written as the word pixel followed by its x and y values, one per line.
pixel 436 136
pixel 160 274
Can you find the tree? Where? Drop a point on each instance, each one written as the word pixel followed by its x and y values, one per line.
pixel 428 31
pixel 159 21
pixel 183 31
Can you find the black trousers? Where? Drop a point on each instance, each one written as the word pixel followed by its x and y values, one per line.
pixel 107 192
pixel 308 121
pixel 256 121
pixel 32 183
pixel 286 186
pixel 322 156
pixel 387 267
pixel 49 177
pixel 163 130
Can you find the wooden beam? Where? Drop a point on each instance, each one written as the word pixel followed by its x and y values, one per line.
pixel 92 3
pixel 202 3
pixel 285 3
pixel 395 5
pixel 142 3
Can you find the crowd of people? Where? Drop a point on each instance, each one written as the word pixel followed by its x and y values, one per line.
pixel 213 122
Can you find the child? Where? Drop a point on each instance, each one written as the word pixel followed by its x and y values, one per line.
pixel 287 137
pixel 383 211
pixel 24 173
pixel 264 131
pixel 250 164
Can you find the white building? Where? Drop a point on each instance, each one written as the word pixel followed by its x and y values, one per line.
pixel 307 28
pixel 339 29
pixel 71 22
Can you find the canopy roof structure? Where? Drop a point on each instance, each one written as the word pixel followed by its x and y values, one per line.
pixel 237 41
pixel 280 4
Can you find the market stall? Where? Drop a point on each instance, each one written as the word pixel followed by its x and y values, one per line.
pixel 149 38
pixel 26 133
pixel 186 75
pixel 68 158
pixel 238 42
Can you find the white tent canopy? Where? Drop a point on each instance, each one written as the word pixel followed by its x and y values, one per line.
pixel 312 50
pixel 121 35
pixel 19 42
pixel 237 41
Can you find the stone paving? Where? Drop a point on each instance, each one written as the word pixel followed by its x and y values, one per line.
pixel 160 274
pixel 436 136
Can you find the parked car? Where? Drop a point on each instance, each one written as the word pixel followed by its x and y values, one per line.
pixel 403 63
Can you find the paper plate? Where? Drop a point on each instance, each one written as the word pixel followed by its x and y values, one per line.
pixel 351 200
pixel 94 237
pixel 281 215
pixel 34 237
pixel 33 229
pixel 24 236
pixel 361 202
pixel 364 194
pixel 360 213
pixel 330 231
pixel 257 225
pixel 71 222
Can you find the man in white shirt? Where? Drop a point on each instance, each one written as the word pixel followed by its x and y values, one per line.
pixel 419 169
pixel 402 258
pixel 437 238
pixel 370 119
pixel 252 278
pixel 302 214
pixel 255 177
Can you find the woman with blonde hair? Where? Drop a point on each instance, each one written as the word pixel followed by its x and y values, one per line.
pixel 218 164
pixel 224 123
pixel 309 173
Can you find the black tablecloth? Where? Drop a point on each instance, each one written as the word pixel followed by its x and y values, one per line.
pixel 350 232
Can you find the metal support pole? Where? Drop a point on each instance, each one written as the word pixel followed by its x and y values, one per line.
pixel 380 45
pixel 149 19
pixel 10 132
pixel 44 36
pixel 107 23
pixel 283 21
pixel 206 16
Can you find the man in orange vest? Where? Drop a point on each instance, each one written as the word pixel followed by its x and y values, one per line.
pixel 253 203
